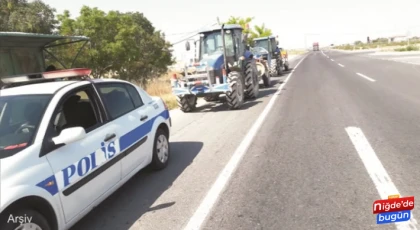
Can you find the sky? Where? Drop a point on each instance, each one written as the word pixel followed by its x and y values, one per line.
pixel 297 23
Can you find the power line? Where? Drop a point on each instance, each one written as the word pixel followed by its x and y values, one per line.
pixel 184 39
pixel 180 33
pixel 195 33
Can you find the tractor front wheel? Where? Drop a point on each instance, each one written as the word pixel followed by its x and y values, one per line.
pixel 280 66
pixel 252 86
pixel 286 66
pixel 273 67
pixel 235 98
pixel 187 103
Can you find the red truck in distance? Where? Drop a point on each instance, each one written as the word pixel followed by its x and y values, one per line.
pixel 315 46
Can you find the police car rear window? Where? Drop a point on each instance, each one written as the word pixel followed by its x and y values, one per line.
pixel 19 120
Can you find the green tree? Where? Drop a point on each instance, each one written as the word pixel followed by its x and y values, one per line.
pixel 124 44
pixel 243 22
pixel 260 31
pixel 24 16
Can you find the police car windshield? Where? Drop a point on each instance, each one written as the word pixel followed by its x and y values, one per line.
pixel 19 120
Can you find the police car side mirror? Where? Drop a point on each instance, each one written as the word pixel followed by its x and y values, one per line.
pixel 70 135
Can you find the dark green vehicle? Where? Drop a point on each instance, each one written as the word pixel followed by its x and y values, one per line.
pixel 274 60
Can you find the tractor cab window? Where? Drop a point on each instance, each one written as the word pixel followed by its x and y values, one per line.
pixel 212 44
pixel 262 43
pixel 273 44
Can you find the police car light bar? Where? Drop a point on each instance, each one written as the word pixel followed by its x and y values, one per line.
pixel 80 72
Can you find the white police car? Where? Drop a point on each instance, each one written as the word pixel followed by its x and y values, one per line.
pixel 67 145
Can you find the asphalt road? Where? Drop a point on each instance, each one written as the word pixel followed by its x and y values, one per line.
pixel 340 134
pixel 412 57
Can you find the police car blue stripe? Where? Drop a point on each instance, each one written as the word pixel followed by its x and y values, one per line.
pixel 136 134
pixel 126 141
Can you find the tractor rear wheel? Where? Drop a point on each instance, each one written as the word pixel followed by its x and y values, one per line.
pixel 235 98
pixel 252 86
pixel 187 103
pixel 266 77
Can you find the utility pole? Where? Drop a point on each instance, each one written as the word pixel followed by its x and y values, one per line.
pixel 408 37
pixel 218 20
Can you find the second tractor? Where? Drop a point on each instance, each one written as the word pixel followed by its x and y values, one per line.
pixel 224 67
pixel 277 58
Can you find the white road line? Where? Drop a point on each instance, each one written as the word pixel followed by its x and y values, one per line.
pixel 407 57
pixel 213 194
pixel 341 65
pixel 366 77
pixel 376 171
pixel 328 57
pixel 332 59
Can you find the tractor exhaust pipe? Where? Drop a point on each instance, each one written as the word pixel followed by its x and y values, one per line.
pixel 224 50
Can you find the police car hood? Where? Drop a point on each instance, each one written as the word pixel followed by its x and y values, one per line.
pixel 21 165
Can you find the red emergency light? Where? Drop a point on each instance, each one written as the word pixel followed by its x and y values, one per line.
pixel 80 72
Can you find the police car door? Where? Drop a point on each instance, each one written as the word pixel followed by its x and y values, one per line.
pixel 87 168
pixel 134 121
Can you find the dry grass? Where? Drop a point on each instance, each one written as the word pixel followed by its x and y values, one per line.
pixel 161 87
pixel 381 46
pixel 296 51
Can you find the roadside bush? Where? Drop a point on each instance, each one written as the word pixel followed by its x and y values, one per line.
pixel 407 48
pixel 412 48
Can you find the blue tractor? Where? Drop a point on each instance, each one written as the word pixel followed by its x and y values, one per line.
pixel 224 67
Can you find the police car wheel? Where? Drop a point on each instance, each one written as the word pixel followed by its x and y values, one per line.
pixel 160 150
pixel 24 219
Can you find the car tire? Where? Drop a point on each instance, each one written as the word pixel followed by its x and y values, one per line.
pixel 161 150
pixel 37 221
